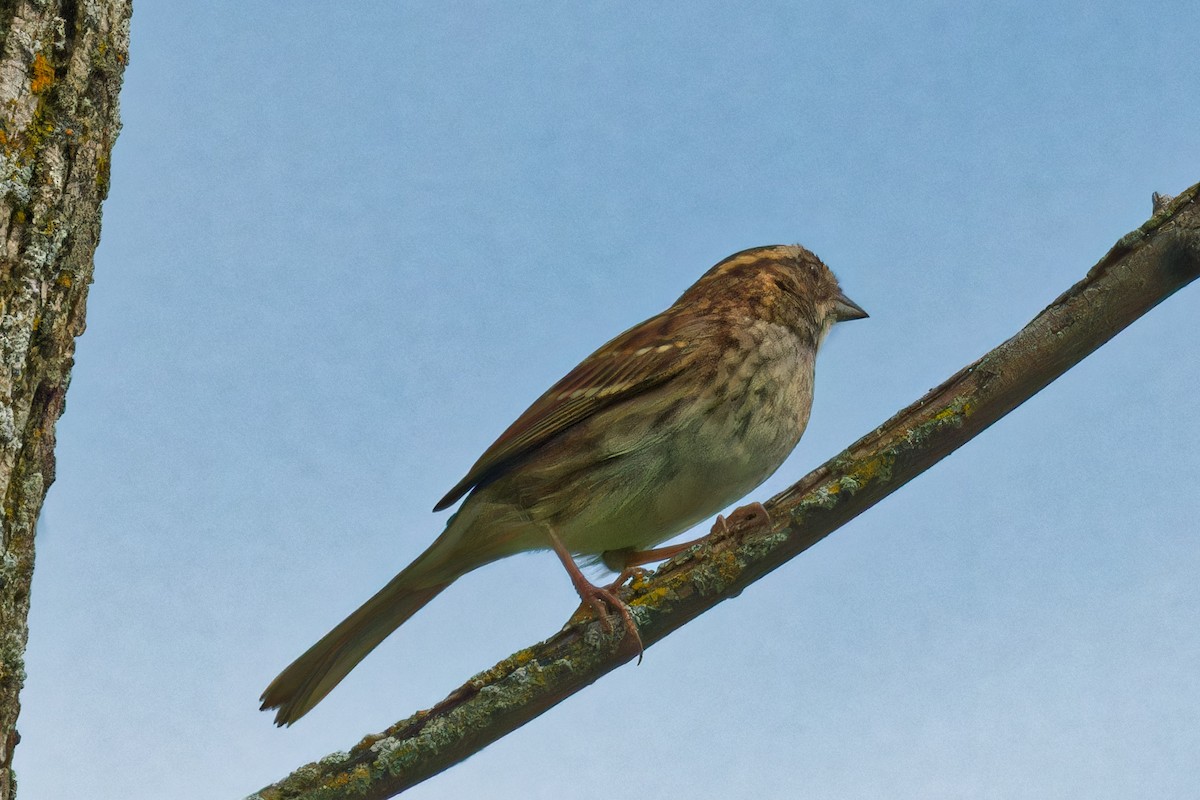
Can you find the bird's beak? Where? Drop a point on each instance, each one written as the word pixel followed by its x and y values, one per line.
pixel 845 309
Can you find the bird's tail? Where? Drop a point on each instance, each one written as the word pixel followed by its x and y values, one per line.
pixel 311 676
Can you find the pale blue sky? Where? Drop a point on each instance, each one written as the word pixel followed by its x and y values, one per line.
pixel 348 243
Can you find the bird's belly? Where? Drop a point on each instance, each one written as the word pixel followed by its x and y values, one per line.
pixel 715 455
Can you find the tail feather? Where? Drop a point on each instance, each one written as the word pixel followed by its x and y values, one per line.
pixel 459 549
pixel 311 676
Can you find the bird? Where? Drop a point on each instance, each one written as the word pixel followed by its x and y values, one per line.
pixel 665 425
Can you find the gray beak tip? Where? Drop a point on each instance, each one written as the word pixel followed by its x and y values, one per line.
pixel 846 309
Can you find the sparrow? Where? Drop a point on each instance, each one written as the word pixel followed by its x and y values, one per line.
pixel 665 425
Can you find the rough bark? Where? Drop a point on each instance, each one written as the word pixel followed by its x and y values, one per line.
pixel 61 65
pixel 1143 269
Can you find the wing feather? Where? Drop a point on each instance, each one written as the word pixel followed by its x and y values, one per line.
pixel 639 359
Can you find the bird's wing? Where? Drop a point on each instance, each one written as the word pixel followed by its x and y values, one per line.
pixel 639 359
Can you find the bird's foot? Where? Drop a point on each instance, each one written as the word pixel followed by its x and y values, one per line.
pixel 602 599
pixel 597 597
pixel 739 519
pixel 631 575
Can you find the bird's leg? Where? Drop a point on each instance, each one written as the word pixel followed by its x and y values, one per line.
pixel 596 596
pixel 628 561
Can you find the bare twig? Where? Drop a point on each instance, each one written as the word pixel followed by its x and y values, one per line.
pixel 1144 268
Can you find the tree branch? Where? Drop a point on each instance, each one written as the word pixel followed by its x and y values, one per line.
pixel 1140 271
pixel 61 64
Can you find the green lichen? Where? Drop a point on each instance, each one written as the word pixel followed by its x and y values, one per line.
pixel 714 575
pixel 103 173
pixel 759 547
pixel 953 415
pixel 823 497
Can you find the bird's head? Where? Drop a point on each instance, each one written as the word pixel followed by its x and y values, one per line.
pixel 781 283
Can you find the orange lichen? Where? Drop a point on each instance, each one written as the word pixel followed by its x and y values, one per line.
pixel 43 74
pixel 651 598
pixel 359 776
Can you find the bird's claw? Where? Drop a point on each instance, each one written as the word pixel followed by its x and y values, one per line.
pixel 598 597
pixel 745 516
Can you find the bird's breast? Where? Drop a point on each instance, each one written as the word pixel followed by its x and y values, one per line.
pixel 756 412
pixel 704 450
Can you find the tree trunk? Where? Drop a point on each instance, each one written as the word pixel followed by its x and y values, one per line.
pixel 60 70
